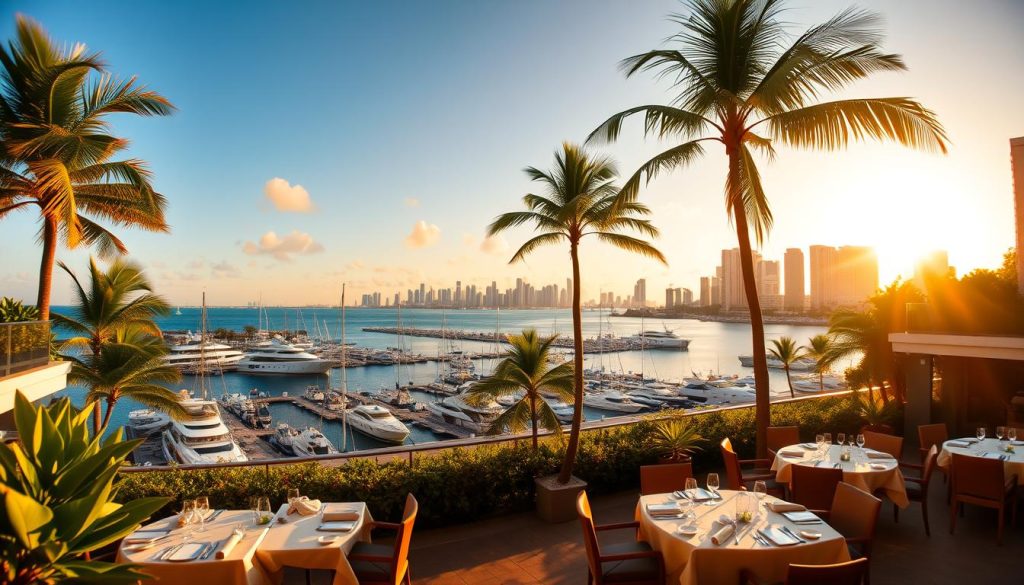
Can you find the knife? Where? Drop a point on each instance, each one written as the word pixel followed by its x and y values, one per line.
pixel 214 515
pixel 793 534
pixel 169 551
pixel 207 551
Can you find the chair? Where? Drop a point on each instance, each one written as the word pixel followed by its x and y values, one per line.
pixel 814 487
pixel 665 478
pixel 883 442
pixel 928 435
pixel 982 482
pixel 386 564
pixel 734 471
pixel 854 514
pixel 917 485
pixel 780 437
pixel 630 563
pixel 848 573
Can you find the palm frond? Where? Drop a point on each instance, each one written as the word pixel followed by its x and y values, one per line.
pixel 534 243
pixel 671 159
pixel 631 244
pixel 660 121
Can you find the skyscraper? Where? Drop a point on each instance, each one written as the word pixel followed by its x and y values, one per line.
pixel 640 293
pixel 793 263
pixel 934 266
pixel 684 296
pixel 705 291
pixel 733 295
pixel 822 276
pixel 670 297
pixel 857 275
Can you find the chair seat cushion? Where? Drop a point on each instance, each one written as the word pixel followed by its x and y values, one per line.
pixel 372 572
pixel 371 549
pixel 913 489
pixel 632 570
pixel 855 552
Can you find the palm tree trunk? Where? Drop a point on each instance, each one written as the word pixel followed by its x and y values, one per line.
pixel 106 416
pixel 96 345
pixel 790 382
pixel 577 360
pixel 533 417
pixel 46 266
pixel 763 395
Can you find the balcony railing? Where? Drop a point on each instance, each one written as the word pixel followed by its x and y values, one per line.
pixel 23 346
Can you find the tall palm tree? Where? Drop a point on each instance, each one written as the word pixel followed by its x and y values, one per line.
pixel 743 81
pixel 821 350
pixel 58 153
pixel 786 351
pixel 580 200
pixel 527 370
pixel 118 300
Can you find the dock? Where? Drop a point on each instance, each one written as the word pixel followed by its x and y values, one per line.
pixel 603 344
pixel 420 419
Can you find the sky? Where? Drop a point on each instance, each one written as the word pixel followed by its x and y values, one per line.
pixel 371 143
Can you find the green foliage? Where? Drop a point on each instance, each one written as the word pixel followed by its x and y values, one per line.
pixel 674 438
pixel 14 311
pixel 58 489
pixel 876 412
pixel 467 484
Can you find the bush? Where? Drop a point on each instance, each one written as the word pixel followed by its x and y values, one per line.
pixel 464 484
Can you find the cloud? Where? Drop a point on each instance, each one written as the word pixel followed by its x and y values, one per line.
pixel 225 269
pixel 283 249
pixel 423 235
pixel 411 202
pixel 494 245
pixel 286 197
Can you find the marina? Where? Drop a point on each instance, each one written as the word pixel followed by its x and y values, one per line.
pixel 600 344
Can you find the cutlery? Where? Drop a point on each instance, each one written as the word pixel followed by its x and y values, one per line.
pixel 793 534
pixel 207 551
pixel 169 551
pixel 214 515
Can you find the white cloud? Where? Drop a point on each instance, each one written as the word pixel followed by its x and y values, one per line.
pixel 495 245
pixel 295 243
pixel 423 235
pixel 411 202
pixel 225 269
pixel 286 197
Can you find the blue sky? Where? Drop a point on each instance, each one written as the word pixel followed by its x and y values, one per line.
pixel 393 113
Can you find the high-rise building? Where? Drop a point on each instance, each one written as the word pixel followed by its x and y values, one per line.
pixel 716 289
pixel 733 295
pixel 857 275
pixel 1017 165
pixel 822 276
pixel 933 267
pixel 684 296
pixel 793 264
pixel 670 297
pixel 705 291
pixel 640 293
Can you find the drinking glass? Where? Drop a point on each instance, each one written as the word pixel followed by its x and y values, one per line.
pixel 712 486
pixel 840 438
pixel 860 441
pixel 828 439
pixel 1000 431
pixel 744 507
pixel 980 433
pixel 188 518
pixel 263 510
pixel 819 440
pixel 852 438
pixel 293 494
pixel 1011 433
pixel 760 489
pixel 202 504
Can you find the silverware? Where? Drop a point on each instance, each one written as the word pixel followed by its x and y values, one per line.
pixel 215 514
pixel 209 551
pixel 169 551
pixel 793 534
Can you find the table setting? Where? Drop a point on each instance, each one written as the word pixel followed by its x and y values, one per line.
pixel 1005 446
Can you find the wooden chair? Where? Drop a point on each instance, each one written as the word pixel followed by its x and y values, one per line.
pixel 630 563
pixel 854 514
pixel 934 434
pixel 386 564
pixel 917 485
pixel 780 437
pixel 848 573
pixel 982 482
pixel 814 487
pixel 883 442
pixel 734 471
pixel 665 478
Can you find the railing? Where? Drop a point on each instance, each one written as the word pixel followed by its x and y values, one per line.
pixel 23 346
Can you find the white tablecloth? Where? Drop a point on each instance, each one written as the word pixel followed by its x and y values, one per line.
pixel 1013 464
pixel 857 472
pixel 294 544
pixel 695 560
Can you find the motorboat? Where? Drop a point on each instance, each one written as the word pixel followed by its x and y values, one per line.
pixel 284 437
pixel 313 393
pixel 311 442
pixel 612 400
pixel 214 356
pixel 801 365
pixel 661 340
pixel 810 384
pixel 146 421
pixel 334 401
pixel 562 409
pixel 278 357
pixel 202 437
pixel 724 394
pixel 377 422
pixel 263 417
pixel 458 411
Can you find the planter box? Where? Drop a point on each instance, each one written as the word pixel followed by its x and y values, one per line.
pixel 556 502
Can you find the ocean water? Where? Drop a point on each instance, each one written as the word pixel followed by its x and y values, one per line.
pixel 713 347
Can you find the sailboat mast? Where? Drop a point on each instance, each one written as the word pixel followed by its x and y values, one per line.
pixel 201 370
pixel 344 376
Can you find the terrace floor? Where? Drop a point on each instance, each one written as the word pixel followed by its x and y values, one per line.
pixel 520 549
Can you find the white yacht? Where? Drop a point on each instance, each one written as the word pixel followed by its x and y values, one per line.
pixel 377 422
pixel 719 394
pixel 313 393
pixel 310 442
pixel 146 421
pixel 800 365
pixel 457 411
pixel 810 384
pixel 215 356
pixel 661 340
pixel 202 438
pixel 611 400
pixel 284 438
pixel 563 410
pixel 278 357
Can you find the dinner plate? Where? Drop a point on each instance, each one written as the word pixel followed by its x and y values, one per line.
pixel 325 540
pixel 810 535
pixel 186 552
pixel 688 529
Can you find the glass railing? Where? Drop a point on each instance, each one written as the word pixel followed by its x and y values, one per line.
pixel 23 346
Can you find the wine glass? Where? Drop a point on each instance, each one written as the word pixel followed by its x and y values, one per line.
pixel 188 518
pixel 1000 431
pixel 690 487
pixel 840 439
pixel 819 440
pixel 202 505
pixel 293 494
pixel 980 433
pixel 263 510
pixel 828 439
pixel 860 441
pixel 1011 433
pixel 760 490
pixel 713 486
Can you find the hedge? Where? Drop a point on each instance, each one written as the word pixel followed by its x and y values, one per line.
pixel 464 484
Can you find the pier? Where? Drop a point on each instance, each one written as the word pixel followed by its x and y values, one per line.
pixel 603 344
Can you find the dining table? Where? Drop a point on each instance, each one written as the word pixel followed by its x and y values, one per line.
pixel 691 556
pixel 865 469
pixel 991 448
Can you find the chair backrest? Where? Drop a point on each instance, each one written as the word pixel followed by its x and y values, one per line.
pixel 854 512
pixel 589 534
pixel 780 437
pixel 929 467
pixel 929 435
pixel 665 478
pixel 404 537
pixel 883 442
pixel 848 573
pixel 978 477
pixel 815 487
pixel 733 473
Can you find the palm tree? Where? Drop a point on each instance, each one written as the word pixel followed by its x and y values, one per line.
pixel 744 82
pixel 58 153
pixel 786 351
pixel 580 200
pixel 823 353
pixel 527 370
pixel 118 301
pixel 129 366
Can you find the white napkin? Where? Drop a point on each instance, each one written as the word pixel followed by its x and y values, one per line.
pixel 724 533
pixel 780 506
pixel 304 506
pixel 335 512
pixel 792 453
pixel 662 509
pixel 877 454
pixel 959 444
pixel 145 536
pixel 968 440
pixel 225 550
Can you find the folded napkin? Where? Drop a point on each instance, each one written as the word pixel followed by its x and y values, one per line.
pixel 810 446
pixel 878 466
pixel 803 517
pixel 780 507
pixel 791 453
pixel 724 533
pixel 145 536
pixel 777 536
pixel 994 455
pixel 877 454
pixel 336 526
pixel 304 506
pixel 335 512
pixel 968 440
pixel 662 509
pixel 959 444
pixel 229 544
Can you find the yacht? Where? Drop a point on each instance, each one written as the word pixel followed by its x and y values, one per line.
pixel 809 384
pixel 277 357
pixel 377 422
pixel 800 365
pixel 457 411
pixel 720 394
pixel 313 393
pixel 146 421
pixel 284 437
pixel 311 442
pixel 562 409
pixel 612 400
pixel 215 356
pixel 202 438
pixel 334 401
pixel 661 340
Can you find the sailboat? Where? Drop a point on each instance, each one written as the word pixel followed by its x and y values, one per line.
pixel 178 311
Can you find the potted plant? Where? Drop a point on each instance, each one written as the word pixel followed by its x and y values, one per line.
pixel 877 415
pixel 674 440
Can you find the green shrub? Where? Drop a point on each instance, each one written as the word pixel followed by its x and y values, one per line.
pixel 464 484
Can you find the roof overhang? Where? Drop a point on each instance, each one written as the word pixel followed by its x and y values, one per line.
pixel 970 346
pixel 35 384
